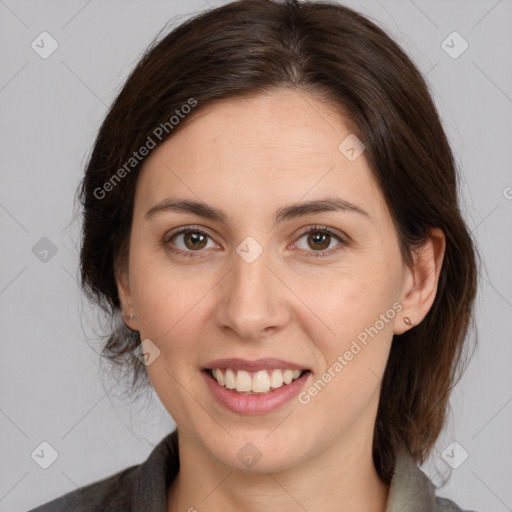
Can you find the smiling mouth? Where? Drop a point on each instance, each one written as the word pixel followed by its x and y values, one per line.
pixel 254 383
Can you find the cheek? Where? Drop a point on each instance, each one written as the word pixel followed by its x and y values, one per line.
pixel 346 302
pixel 354 349
pixel 166 300
pixel 353 332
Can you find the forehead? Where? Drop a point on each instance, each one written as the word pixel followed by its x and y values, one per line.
pixel 277 146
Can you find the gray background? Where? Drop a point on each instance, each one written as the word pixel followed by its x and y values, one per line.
pixel 52 388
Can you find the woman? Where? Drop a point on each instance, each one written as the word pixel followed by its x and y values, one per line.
pixel 271 217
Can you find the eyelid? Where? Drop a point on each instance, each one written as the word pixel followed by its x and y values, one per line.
pixel 318 227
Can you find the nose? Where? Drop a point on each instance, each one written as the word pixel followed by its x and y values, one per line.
pixel 253 299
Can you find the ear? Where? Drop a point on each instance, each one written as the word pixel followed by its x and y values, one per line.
pixel 125 297
pixel 420 282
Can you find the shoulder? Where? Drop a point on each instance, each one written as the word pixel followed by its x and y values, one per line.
pixel 113 491
pixel 411 490
pixel 137 488
pixel 447 505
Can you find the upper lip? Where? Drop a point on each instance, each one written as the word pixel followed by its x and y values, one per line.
pixel 268 363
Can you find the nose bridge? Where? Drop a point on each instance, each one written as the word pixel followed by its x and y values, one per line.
pixel 253 301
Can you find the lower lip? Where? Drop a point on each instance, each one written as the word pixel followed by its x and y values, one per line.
pixel 255 404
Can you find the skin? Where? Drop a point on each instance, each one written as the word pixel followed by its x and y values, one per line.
pixel 250 157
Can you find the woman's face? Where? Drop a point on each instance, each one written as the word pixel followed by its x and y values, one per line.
pixel 256 286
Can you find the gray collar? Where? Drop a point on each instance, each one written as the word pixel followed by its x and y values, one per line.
pixel 410 489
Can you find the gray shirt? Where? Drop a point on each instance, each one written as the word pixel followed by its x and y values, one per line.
pixel 143 487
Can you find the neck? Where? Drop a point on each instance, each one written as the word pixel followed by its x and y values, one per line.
pixel 343 477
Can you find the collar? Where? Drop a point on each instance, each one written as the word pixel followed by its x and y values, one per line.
pixel 410 490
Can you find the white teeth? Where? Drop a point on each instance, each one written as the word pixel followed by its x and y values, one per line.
pixel 243 381
pixel 276 379
pixel 229 379
pixel 218 375
pixel 261 382
pixel 288 376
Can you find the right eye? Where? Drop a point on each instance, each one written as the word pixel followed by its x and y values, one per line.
pixel 193 241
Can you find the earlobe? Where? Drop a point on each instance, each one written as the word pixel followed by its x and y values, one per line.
pixel 420 284
pixel 125 298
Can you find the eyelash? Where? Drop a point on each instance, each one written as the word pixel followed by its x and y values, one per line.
pixel 313 229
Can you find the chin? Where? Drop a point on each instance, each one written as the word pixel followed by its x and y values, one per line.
pixel 258 452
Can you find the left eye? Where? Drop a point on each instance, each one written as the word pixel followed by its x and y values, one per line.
pixel 321 237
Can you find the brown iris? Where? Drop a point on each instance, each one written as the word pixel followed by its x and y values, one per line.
pixel 196 239
pixel 317 238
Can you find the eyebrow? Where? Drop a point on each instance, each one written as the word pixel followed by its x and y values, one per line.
pixel 286 213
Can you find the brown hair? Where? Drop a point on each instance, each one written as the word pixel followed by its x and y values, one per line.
pixel 252 46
